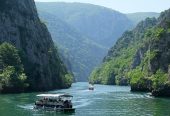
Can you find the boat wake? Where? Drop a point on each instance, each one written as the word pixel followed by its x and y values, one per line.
pixel 27 106
pixel 82 105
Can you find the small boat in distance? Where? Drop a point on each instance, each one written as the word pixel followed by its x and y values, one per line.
pixel 91 87
pixel 57 102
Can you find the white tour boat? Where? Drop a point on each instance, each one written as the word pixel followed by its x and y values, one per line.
pixel 58 102
pixel 91 87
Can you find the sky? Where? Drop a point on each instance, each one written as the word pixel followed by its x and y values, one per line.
pixel 125 6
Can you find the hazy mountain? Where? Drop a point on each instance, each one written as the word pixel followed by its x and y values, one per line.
pixel 83 31
pixel 139 16
pixel 78 49
pixel 100 24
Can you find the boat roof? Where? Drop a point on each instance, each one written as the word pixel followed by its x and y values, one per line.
pixel 54 95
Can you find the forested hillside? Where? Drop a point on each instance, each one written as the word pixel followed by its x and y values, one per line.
pixel 140 58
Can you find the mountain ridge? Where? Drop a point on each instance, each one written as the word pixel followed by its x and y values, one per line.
pixel 138 16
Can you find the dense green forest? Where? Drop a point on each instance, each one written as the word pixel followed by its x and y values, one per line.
pixel 140 58
pixel 12 74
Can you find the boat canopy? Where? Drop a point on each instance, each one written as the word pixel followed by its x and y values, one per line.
pixel 54 95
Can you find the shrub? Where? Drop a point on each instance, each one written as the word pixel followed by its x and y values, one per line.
pixel 159 79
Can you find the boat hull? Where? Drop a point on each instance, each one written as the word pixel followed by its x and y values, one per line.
pixel 91 88
pixel 66 110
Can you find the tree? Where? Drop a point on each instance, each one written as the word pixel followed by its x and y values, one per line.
pixel 160 79
pixel 12 76
pixel 67 80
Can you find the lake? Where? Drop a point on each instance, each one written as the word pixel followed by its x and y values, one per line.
pixel 103 101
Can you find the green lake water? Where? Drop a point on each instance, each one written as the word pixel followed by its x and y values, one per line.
pixel 103 101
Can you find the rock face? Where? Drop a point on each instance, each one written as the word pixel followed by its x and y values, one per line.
pixel 21 26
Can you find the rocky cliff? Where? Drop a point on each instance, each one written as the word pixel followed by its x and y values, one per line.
pixel 21 26
pixel 119 59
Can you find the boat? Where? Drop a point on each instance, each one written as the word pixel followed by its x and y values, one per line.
pixel 57 102
pixel 91 87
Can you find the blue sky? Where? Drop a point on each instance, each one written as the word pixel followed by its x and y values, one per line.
pixel 125 6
